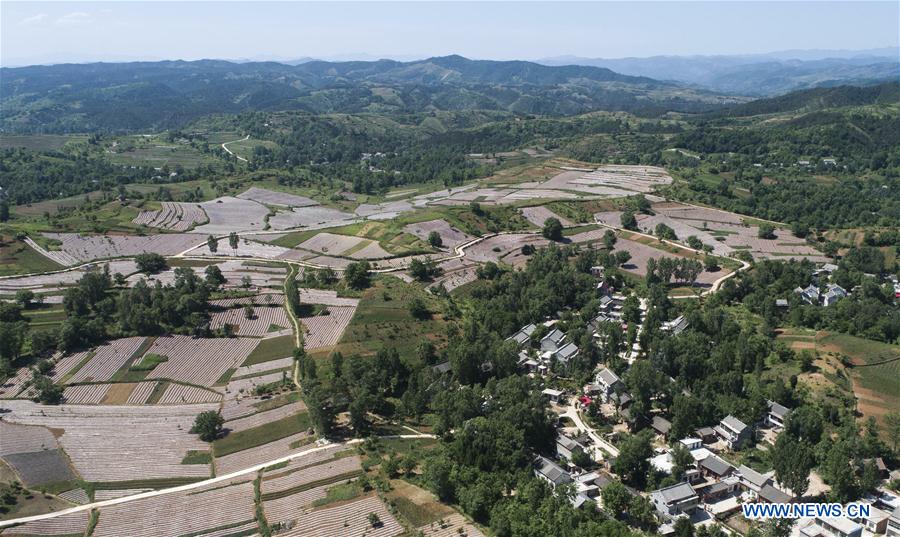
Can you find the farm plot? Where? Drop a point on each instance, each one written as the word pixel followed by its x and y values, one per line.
pixel 179 394
pixel 108 359
pixel 40 467
pixel 261 418
pixel 245 248
pixel 346 519
pixel 90 247
pixel 332 244
pixel 185 513
pixel 454 525
pixel 494 248
pixel 15 385
pixel 683 230
pixel 271 197
pixel 326 297
pixel 141 393
pixel 174 215
pixel 539 214
pixel 77 496
pixel 258 455
pixel 641 253
pixel 86 394
pixel 71 524
pixel 383 211
pixel 120 443
pixel 313 217
pixel 66 364
pixel 246 385
pixel 265 320
pixel 61 258
pixel 255 369
pixel 266 299
pixel 456 277
pixel 450 236
pixel 327 470
pixel 58 281
pixel 24 439
pixel 197 360
pixel 111 494
pixel 326 330
pixel 227 214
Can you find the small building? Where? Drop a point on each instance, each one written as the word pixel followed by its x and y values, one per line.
pixel 553 340
pixel 676 325
pixel 691 443
pixel 751 480
pixel 769 494
pixel 567 446
pixel 661 425
pixel 777 415
pixel 551 472
pixel 553 395
pixel 523 336
pixel 733 432
pixel 591 484
pixel 608 382
pixel 832 527
pixel 893 524
pixel 566 354
pixel 706 435
pixel 597 271
pixel 833 293
pixel 809 294
pixel 876 522
pixel 718 490
pixel 674 501
pixel 715 467
pixel 781 303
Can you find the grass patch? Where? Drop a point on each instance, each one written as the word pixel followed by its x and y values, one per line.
pixel 16 257
pixel 569 231
pixel 271 349
pixel 149 361
pixel 158 392
pixel 311 485
pixel 382 320
pixel 263 434
pixel 339 493
pixel 197 457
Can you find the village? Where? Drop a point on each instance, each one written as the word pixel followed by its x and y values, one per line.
pixel 711 488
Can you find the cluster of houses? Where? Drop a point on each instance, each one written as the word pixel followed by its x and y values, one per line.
pixel 553 347
pixel 814 293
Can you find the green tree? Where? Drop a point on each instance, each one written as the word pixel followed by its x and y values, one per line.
pixel 25 297
pixel 357 274
pixel 249 312
pixel 434 239
pixel 553 229
pixel 628 221
pixel 793 460
pixel 766 231
pixel 616 498
pixel 892 428
pixel 150 262
pixel 212 243
pixel 632 464
pixel 609 239
pixel 233 240
pixel 208 425
pixel 4 211
pixel 418 309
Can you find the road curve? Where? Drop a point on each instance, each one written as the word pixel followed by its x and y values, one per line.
pixel 232 153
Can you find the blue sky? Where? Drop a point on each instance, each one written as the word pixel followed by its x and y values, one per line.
pixel 47 32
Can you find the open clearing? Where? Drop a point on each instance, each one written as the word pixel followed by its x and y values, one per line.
pixel 173 215
pixel 271 197
pixel 227 214
pixel 91 247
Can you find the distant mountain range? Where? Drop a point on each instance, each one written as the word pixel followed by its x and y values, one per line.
pixel 141 95
pixel 758 75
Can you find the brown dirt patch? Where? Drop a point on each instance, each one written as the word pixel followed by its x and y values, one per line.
pixel 118 393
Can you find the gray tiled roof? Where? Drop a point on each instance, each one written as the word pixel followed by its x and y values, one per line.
pixel 676 493
pixel 552 471
pixel 608 377
pixel 752 476
pixel 716 465
pixel 734 424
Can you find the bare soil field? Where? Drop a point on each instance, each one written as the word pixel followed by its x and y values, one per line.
pixel 312 217
pixel 186 513
pixel 326 330
pixel 174 215
pixel 271 197
pixel 120 443
pixel 227 214
pixel 197 360
pixel 326 297
pixel 72 524
pixel 86 394
pixel 91 247
pixel 539 214
pixel 495 248
pixel 264 321
pixel 245 248
pixel 40 467
pixel 450 236
pixel 259 454
pixel 108 359
pixel 179 394
pixel 346 519
pixel 266 416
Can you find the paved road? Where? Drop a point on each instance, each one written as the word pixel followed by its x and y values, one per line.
pixel 196 485
pixel 230 152
pixel 572 413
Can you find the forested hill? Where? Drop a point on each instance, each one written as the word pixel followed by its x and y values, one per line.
pixel 816 99
pixel 156 95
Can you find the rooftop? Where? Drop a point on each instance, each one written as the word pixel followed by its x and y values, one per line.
pixel 676 493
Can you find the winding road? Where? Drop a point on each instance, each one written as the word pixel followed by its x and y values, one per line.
pixel 232 153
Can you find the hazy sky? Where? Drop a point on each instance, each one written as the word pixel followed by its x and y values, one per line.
pixel 46 32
